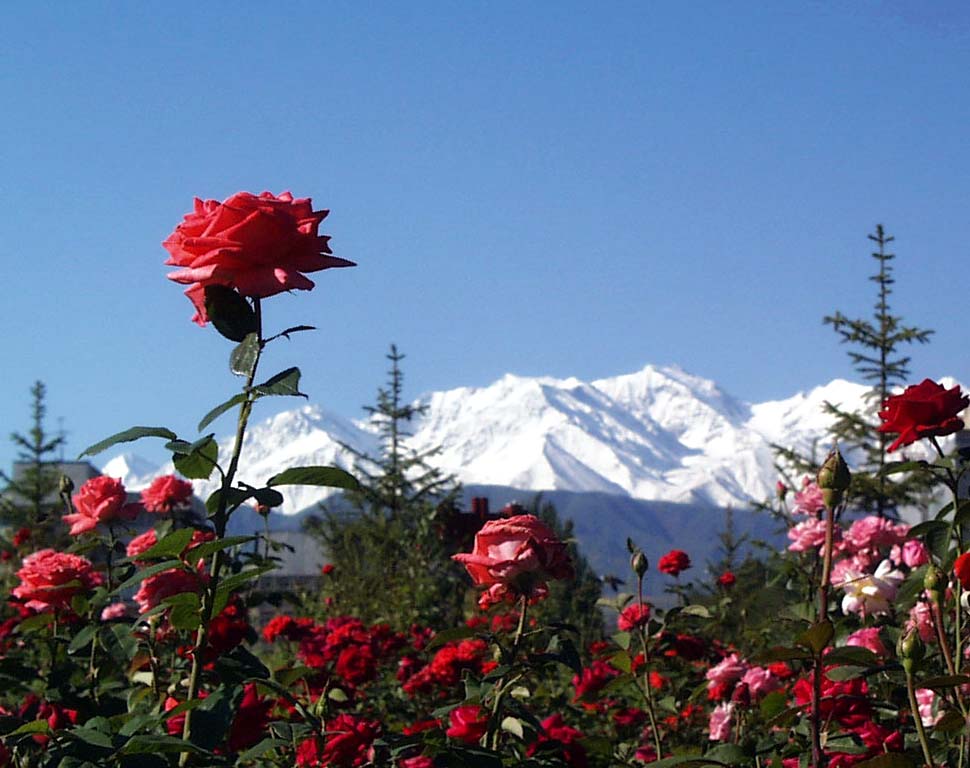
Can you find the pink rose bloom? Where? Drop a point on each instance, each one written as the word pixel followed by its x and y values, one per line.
pixel 100 500
pixel 260 245
pixel 156 588
pixel 872 533
pixel 921 617
pixel 807 535
pixel 49 579
pixel 729 670
pixel 868 637
pixel 166 494
pixel 114 611
pixel 871 594
pixel 760 682
pixel 808 501
pixel 721 722
pixel 633 616
pixel 925 699
pixel 514 556
pixel 141 543
pixel 419 761
pixel 912 554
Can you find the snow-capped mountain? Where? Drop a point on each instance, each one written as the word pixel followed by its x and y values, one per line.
pixel 658 434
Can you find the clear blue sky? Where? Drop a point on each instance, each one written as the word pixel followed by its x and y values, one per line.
pixel 542 188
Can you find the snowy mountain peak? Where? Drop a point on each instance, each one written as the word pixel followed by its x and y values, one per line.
pixel 660 433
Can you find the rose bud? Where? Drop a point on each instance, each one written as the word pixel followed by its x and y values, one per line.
pixel 639 563
pixel 834 478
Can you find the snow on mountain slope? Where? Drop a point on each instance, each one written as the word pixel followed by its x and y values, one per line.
pixel 658 434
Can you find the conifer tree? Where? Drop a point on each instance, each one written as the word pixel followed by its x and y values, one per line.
pixel 384 541
pixel 30 498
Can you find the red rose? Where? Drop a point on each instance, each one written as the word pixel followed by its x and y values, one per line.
pixel 513 557
pixel 21 536
pixel 555 733
pixel 100 500
pixel 961 569
pixel 727 579
pixel 633 616
pixel 49 579
pixel 467 724
pixel 156 588
pixel 165 494
pixel 923 410
pixel 675 561
pixel 259 245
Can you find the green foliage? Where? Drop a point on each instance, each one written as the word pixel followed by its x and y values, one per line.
pixel 31 497
pixel 391 562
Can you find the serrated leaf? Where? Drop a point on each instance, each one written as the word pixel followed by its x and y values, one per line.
pixel 852 654
pixel 242 359
pixel 327 477
pixel 216 412
pixel 129 435
pixel 200 459
pixel 817 636
pixel 229 312
pixel 284 383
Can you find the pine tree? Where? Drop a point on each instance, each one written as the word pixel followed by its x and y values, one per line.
pixel 384 541
pixel 30 498
pixel 875 353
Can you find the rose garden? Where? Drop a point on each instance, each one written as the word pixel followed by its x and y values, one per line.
pixel 477 640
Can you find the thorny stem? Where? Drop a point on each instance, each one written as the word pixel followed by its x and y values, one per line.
pixel 647 690
pixel 221 518
pixel 914 706
pixel 818 757
pixel 494 734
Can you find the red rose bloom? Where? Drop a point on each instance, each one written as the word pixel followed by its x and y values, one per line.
pixel 513 557
pixel 563 738
pixel 259 245
pixel 100 500
pixel 633 616
pixel 348 743
pixel 961 569
pixel 467 724
pixel 49 579
pixel 923 410
pixel 726 579
pixel 165 494
pixel 674 562
pixel 21 536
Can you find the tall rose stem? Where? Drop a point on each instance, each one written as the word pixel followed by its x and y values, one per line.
pixel 818 757
pixel 494 733
pixel 920 731
pixel 220 519
pixel 647 690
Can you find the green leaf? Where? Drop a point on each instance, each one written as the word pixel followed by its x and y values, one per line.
pixel 514 726
pixel 845 672
pixel 329 477
pixel 261 749
pixel 229 312
pixel 236 497
pixel 129 435
pixel 283 383
pixel 943 681
pixel 83 638
pixel 186 611
pixel 36 726
pixel 216 412
pixel 243 358
pixel 150 743
pixel 199 461
pixel 895 467
pixel 335 694
pixel 696 610
pixel 144 573
pixel 622 639
pixel 268 497
pixel 817 636
pixel 170 546
pixel 209 547
pixel 773 704
pixel 91 736
pixel 852 655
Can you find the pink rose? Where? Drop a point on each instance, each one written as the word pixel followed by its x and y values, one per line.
pixel 807 535
pixel 727 671
pixel 155 589
pixel 99 500
pixel 925 699
pixel 721 722
pixel 49 579
pixel 514 556
pixel 114 611
pixel 141 543
pixel 872 533
pixel 921 617
pixel 166 494
pixel 912 554
pixel 760 682
pixel 258 245
pixel 868 638
pixel 808 501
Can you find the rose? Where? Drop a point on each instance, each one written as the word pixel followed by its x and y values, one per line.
pixel 721 722
pixel 258 245
pixel 99 500
pixel 923 410
pixel 633 616
pixel 961 569
pixel 468 724
pixel 49 579
pixel 162 585
pixel 674 562
pixel 513 557
pixel 165 494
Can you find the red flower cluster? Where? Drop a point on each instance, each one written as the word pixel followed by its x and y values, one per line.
pixel 288 628
pixel 259 245
pixel 633 616
pixel 923 410
pixel 348 649
pixel 561 739
pixel 592 680
pixel 443 672
pixel 348 743
pixel 468 724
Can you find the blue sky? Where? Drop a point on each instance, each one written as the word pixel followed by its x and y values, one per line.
pixel 538 188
